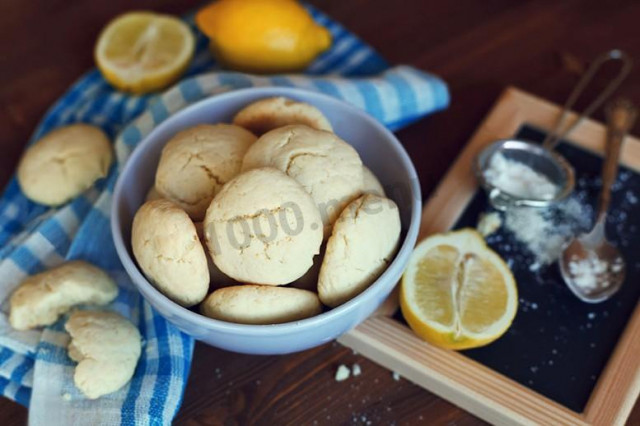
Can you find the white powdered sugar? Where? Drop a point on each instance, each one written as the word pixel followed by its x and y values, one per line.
pixel 545 231
pixel 592 273
pixel 518 179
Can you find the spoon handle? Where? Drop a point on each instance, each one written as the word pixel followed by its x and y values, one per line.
pixel 621 115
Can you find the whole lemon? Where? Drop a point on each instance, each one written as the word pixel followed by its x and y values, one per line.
pixel 262 36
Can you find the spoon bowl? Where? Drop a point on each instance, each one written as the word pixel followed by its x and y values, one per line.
pixel 591 266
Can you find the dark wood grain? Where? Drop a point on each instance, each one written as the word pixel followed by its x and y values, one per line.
pixel 479 47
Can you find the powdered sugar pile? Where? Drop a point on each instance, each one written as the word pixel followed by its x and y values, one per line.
pixel 592 273
pixel 516 178
pixel 545 231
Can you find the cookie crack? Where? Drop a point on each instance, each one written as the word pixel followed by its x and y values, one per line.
pixel 346 242
pixel 360 207
pixel 212 176
pixel 192 155
pixel 170 259
pixel 186 164
pixel 294 157
pixel 290 136
pixel 252 216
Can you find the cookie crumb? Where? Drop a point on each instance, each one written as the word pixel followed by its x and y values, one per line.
pixel 342 373
pixel 356 370
pixel 489 223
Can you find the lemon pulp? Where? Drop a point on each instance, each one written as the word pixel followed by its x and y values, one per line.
pixel 456 292
pixel 141 52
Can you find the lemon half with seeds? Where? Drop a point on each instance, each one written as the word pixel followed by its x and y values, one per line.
pixel 141 52
pixel 456 292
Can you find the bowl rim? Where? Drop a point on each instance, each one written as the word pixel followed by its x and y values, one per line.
pixel 143 285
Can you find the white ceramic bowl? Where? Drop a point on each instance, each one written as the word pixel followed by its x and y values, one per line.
pixel 380 151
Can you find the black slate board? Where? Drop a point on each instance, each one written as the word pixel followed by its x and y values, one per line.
pixel 558 345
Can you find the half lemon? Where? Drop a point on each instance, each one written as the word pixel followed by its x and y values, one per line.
pixel 141 52
pixel 456 292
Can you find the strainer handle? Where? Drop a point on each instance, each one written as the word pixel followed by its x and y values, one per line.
pixel 557 135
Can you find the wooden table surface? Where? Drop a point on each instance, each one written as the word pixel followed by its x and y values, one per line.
pixel 478 47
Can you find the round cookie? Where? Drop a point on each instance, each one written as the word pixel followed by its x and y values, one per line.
pixel 327 167
pixel 361 246
pixel 267 114
pixel 197 161
pixel 371 184
pixel 42 298
pixel 64 163
pixel 167 248
pixel 261 304
pixel 106 347
pixel 263 228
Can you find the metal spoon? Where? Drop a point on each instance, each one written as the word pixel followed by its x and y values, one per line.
pixel 591 266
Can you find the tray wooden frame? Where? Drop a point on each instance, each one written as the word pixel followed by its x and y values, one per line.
pixel 461 380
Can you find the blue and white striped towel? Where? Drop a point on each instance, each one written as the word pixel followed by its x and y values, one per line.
pixel 34 367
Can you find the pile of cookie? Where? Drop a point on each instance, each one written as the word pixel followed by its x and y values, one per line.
pixel 106 346
pixel 265 220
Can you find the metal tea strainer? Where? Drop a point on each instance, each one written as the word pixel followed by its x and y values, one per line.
pixel 540 157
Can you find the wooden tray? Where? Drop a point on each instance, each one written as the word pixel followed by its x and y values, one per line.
pixel 473 386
